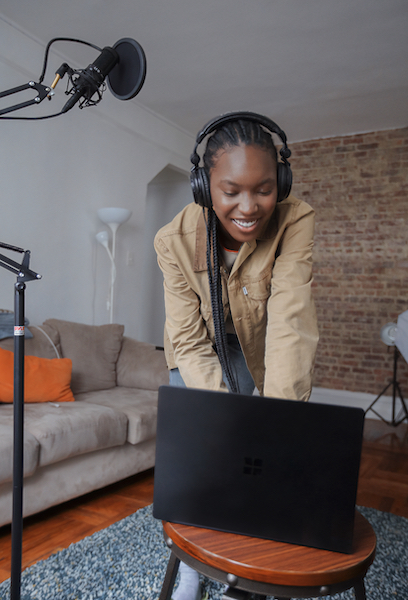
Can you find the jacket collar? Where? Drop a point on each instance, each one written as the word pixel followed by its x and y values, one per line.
pixel 200 258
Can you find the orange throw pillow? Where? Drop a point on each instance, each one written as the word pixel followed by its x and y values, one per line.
pixel 45 379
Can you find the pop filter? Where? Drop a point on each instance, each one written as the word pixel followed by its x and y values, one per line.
pixel 127 77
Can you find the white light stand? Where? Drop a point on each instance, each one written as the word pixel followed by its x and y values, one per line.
pixel 396 335
pixel 113 217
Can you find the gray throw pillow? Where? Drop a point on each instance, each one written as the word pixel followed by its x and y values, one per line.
pixel 94 351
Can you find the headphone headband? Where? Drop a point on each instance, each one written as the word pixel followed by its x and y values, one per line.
pixel 216 123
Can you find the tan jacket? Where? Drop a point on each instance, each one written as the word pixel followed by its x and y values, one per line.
pixel 268 293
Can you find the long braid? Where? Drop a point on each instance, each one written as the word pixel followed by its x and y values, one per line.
pixel 214 278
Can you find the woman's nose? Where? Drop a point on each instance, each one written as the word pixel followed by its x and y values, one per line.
pixel 248 204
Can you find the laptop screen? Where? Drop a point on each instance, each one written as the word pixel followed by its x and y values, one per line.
pixel 256 466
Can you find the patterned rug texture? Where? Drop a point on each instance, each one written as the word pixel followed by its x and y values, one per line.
pixel 128 561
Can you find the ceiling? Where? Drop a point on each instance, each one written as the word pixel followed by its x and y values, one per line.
pixel 319 68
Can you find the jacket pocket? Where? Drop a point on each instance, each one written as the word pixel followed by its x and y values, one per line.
pixel 258 290
pixel 256 294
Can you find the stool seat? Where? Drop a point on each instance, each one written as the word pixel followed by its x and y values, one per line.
pixel 274 568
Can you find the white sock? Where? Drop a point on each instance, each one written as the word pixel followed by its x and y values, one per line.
pixel 189 585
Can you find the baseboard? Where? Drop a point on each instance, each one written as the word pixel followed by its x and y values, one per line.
pixel 359 399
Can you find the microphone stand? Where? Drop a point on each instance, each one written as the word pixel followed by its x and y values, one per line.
pixel 43 92
pixel 23 274
pixel 94 75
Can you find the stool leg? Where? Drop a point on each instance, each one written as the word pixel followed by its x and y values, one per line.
pixel 170 577
pixel 359 590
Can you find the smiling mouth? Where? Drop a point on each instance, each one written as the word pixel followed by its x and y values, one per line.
pixel 245 224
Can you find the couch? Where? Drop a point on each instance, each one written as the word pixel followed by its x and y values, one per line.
pixel 100 430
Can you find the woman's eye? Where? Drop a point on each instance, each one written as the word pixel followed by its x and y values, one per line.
pixel 265 192
pixel 230 194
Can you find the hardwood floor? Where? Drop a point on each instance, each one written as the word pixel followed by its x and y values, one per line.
pixel 383 484
pixel 58 527
pixel 383 481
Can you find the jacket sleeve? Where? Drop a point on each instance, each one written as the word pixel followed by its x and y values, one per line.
pixel 292 335
pixel 193 350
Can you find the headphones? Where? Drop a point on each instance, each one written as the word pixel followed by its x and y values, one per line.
pixel 199 178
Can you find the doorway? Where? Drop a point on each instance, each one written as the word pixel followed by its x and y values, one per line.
pixel 167 194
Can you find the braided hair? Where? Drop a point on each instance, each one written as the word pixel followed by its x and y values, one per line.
pixel 236 133
pixel 232 133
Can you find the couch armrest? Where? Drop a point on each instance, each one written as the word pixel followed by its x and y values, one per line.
pixel 141 365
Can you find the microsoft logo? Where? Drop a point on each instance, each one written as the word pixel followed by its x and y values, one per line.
pixel 252 466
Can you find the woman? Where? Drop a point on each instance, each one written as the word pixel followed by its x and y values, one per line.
pixel 237 267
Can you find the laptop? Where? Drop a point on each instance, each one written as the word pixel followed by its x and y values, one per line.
pixel 262 467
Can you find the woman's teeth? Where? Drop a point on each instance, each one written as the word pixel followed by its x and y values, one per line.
pixel 244 223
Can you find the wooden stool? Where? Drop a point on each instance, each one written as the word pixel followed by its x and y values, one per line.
pixel 267 568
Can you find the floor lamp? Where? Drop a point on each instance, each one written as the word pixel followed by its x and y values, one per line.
pixel 113 217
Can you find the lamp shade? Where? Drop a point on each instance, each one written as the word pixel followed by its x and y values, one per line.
pixel 114 215
pixel 401 337
pixel 103 238
pixel 388 333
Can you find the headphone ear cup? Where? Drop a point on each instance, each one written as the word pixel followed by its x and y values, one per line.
pixel 284 180
pixel 200 186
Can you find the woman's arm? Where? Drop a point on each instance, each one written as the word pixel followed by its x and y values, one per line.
pixel 292 334
pixel 193 350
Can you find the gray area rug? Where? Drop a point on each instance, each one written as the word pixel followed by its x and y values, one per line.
pixel 128 561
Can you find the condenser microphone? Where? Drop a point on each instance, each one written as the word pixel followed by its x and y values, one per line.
pixel 88 81
pixel 123 66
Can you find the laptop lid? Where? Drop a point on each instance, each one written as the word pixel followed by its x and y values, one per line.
pixel 268 468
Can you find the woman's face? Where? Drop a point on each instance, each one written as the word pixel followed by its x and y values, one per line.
pixel 243 186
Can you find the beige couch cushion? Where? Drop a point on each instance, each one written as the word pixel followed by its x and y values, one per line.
pixel 94 351
pixel 140 407
pixel 70 429
pixel 31 449
pixel 141 365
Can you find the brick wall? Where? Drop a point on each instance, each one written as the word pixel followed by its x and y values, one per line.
pixel 358 186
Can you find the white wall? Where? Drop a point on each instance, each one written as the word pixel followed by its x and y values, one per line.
pixel 383 406
pixel 54 176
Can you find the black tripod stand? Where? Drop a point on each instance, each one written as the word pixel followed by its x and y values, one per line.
pixel 396 420
pixel 23 274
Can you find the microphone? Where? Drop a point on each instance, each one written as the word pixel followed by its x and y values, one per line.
pixel 90 79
